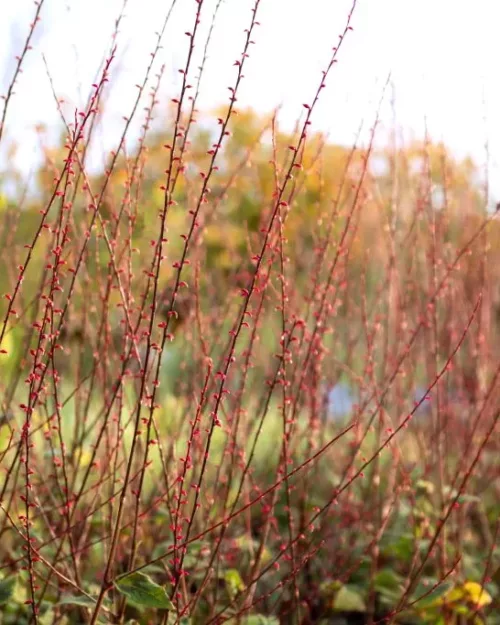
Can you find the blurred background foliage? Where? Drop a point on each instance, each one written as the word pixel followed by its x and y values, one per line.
pixel 241 191
pixel 382 213
pixel 406 192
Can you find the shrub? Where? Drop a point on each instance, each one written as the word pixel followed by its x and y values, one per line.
pixel 172 330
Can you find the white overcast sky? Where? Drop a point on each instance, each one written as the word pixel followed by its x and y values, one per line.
pixel 443 56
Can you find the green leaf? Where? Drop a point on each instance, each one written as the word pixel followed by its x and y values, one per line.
pixel 462 610
pixel 6 589
pixel 77 600
pixel 234 583
pixel 330 587
pixel 430 599
pixel 349 599
pixel 401 547
pixel 260 619
pixel 174 619
pixel 424 487
pixel 389 586
pixel 143 592
pixel 387 579
pixel 47 618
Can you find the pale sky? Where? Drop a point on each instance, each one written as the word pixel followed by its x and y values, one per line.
pixel 442 55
